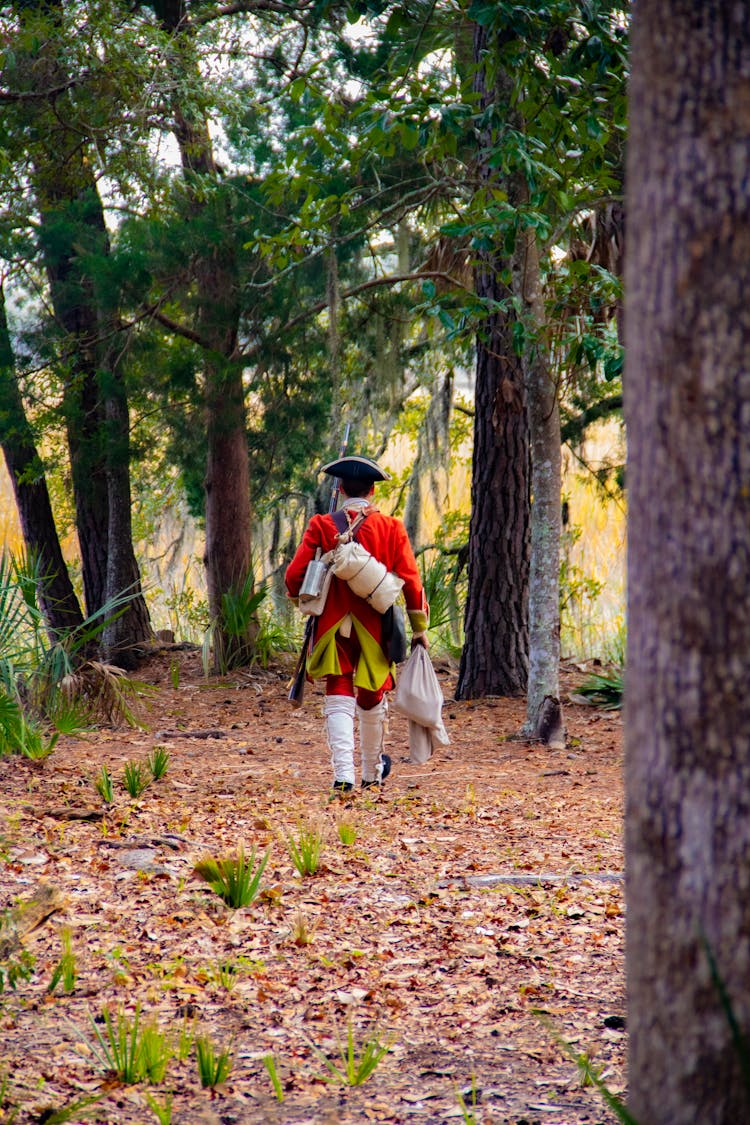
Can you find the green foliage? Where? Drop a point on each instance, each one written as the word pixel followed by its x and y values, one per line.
pixel 229 640
pixel 604 690
pixel 158 762
pixel 589 1075
pixel 467 1113
pixel 225 973
pixel 8 1112
pixel 66 969
pixel 136 778
pixel 104 785
pixel 162 1110
pixel 347 831
pixel 213 1067
pixel 445 594
pixel 579 591
pixel 269 1062
pixel 73 1112
pixel 357 1064
pixel 14 969
pixel 188 615
pixel 235 879
pixel 132 1051
pixel 52 684
pixel 276 635
pixel 306 848
pixel 740 1041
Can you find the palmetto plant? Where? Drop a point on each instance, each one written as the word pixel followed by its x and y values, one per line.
pixel 357 1064
pixel 234 878
pixel 239 613
pixel 134 1051
pixel 51 686
pixel 306 848
pixel 445 596
pixel 214 1066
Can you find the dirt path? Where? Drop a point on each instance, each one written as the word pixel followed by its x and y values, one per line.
pixel 477 916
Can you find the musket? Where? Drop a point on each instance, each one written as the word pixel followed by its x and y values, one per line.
pixel 296 691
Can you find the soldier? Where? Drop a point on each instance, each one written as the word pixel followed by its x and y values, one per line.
pixel 348 637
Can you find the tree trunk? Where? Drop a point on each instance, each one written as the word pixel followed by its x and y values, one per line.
pixel 72 302
pixel 72 236
pixel 228 557
pixel 544 719
pixel 494 660
pixel 687 399
pixel 57 598
pixel 124 633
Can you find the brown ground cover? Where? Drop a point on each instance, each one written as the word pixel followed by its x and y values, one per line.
pixel 476 920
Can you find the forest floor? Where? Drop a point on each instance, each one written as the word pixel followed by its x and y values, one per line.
pixel 474 924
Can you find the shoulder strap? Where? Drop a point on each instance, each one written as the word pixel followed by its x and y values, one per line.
pixel 343 526
pixel 339 518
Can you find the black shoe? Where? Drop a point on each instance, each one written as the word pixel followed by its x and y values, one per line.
pixel 341 787
pixel 385 763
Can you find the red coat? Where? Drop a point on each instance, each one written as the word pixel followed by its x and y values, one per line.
pixel 384 537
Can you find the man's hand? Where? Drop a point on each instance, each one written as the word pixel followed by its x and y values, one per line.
pixel 419 639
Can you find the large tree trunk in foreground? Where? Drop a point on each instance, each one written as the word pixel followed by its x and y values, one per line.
pixel 57 597
pixel 687 396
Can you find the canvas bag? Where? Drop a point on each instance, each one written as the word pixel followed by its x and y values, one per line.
pixel 313 606
pixel 363 573
pixel 418 695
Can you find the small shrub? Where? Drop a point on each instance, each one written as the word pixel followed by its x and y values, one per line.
pixel 162 1111
pixel 136 778
pixel 213 1068
pixel 605 690
pixel 119 1045
pixel 347 831
pixel 234 879
pixel 14 969
pixel 104 786
pixel 132 1051
pixel 158 762
pixel 66 969
pixel 356 1065
pixel 305 850
pixel 225 974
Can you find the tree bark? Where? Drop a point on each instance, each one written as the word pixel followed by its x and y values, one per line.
pixel 72 235
pixel 57 598
pixel 544 718
pixel 228 556
pixel 687 401
pixel 494 660
pixel 124 632
pixel 77 319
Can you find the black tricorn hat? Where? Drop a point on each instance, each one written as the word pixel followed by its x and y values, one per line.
pixel 356 468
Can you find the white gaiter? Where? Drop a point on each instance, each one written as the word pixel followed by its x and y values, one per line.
pixel 339 712
pixel 371 736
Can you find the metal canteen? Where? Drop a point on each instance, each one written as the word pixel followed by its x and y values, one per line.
pixel 312 584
